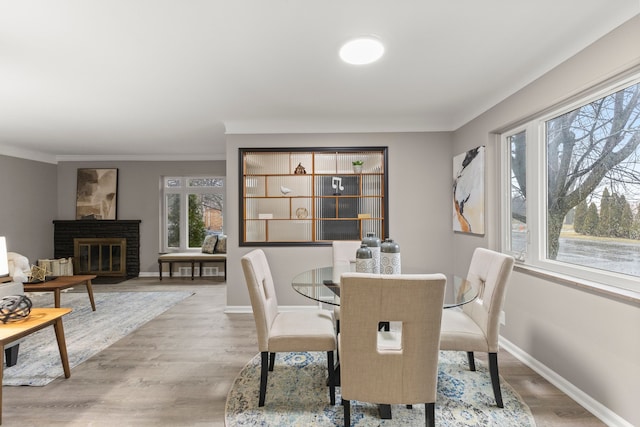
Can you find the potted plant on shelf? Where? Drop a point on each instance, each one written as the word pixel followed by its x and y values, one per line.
pixel 357 166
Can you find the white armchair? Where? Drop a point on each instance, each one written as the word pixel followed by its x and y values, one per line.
pixel 19 267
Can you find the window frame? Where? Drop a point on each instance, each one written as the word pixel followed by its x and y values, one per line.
pixel 536 203
pixel 184 191
pixel 505 191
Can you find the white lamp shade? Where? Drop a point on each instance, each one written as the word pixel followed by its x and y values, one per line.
pixel 4 262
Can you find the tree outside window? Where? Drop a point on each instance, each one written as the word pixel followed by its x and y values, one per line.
pixel 193 209
pixel 592 210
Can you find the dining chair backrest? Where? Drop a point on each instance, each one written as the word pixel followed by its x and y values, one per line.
pixel 405 373
pixel 262 293
pixel 344 253
pixel 490 272
pixel 345 250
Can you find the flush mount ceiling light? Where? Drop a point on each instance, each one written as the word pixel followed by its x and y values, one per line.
pixel 362 50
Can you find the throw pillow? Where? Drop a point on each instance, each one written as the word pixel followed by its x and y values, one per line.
pixel 221 246
pixel 209 245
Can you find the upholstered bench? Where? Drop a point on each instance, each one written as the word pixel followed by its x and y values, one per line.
pixel 192 258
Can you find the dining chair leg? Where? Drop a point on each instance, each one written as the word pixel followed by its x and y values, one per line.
pixel 272 361
pixel 332 378
pixel 472 361
pixel 347 412
pixel 495 378
pixel 430 414
pixel 264 370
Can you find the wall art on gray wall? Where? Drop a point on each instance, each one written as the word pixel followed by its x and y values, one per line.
pixel 97 192
pixel 468 191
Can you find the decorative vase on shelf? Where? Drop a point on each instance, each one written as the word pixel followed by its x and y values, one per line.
pixel 357 167
pixel 373 243
pixel 364 260
pixel 390 257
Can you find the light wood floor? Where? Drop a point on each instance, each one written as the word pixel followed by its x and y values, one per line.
pixel 177 369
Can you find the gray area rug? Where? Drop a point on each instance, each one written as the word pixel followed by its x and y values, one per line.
pixel 86 332
pixel 297 395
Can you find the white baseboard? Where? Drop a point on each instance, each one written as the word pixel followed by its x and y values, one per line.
pixel 605 414
pixel 238 309
pixel 244 309
pixel 148 274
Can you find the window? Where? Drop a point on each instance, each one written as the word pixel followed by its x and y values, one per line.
pixel 574 175
pixel 192 207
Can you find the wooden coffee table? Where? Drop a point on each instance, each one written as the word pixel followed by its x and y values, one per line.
pixel 38 319
pixel 63 282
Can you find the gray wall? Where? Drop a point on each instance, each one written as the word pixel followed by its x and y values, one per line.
pixel 589 340
pixel 29 198
pixel 420 169
pixel 138 195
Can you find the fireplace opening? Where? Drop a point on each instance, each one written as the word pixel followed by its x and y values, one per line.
pixel 100 256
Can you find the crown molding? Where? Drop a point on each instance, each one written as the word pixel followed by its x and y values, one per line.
pixel 140 157
pixel 37 156
pixel 22 153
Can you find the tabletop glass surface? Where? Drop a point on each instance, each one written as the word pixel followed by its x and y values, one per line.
pixel 322 285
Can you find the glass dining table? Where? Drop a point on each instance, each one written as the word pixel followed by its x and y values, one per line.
pixel 323 285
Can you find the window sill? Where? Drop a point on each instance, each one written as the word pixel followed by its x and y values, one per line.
pixel 608 291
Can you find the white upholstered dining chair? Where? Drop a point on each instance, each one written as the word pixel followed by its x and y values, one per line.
pixel 290 331
pixel 390 367
pixel 343 254
pixel 476 327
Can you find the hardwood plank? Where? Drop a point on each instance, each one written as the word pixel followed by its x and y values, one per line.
pixel 177 370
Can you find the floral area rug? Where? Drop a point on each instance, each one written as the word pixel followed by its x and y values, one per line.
pixel 86 332
pixel 297 395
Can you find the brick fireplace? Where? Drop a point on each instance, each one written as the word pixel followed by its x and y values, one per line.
pixel 106 262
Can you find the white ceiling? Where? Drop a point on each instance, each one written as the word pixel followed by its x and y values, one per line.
pixel 168 78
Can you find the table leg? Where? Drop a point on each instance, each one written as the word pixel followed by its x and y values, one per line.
pixel 90 292
pixel 62 346
pixel 160 269
pixel 201 264
pixel 193 268
pixel 56 298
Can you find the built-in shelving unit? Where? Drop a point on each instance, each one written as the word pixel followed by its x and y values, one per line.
pixel 294 196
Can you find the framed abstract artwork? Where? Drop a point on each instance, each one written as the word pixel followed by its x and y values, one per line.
pixel 97 194
pixel 468 191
